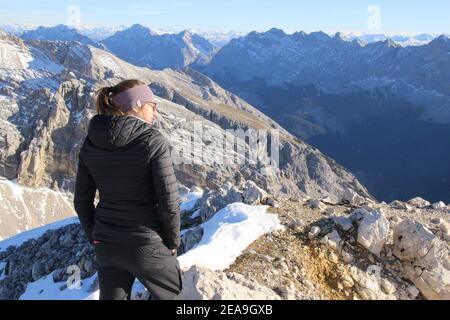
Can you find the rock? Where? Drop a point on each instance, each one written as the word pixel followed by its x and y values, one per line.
pixel 334 258
pixel 316 204
pixel 395 220
pixel 347 257
pixel 254 195
pixel 439 206
pixel 333 240
pixel 413 291
pixel 89 266
pixel 271 202
pixel 343 222
pixel 296 225
pixel 387 286
pixel 214 200
pixel 189 239
pixel 419 202
pixel 314 232
pixel 59 275
pixel 415 245
pixel 400 205
pixel 353 198
pixel 367 284
pixel 203 284
pixel 38 270
pixel 373 231
pixel 330 211
pixel 347 281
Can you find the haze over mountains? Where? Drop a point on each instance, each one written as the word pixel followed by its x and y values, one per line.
pixel 378 108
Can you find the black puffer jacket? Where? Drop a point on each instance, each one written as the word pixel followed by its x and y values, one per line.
pixel 129 162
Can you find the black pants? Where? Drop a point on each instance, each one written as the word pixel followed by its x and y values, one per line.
pixel 154 265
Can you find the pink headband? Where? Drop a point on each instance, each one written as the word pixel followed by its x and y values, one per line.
pixel 134 97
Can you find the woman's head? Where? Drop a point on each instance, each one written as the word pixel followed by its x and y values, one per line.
pixel 130 97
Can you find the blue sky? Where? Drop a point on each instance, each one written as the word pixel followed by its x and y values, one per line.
pixel 388 16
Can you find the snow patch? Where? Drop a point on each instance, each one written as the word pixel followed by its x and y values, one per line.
pixel 227 234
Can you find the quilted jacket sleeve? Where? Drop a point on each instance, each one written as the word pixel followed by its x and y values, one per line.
pixel 165 184
pixel 84 197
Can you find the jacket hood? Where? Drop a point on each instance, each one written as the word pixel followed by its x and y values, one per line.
pixel 112 132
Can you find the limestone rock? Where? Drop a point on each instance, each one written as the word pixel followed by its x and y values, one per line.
pixel 254 195
pixel 314 232
pixel 373 231
pixel 419 202
pixel 203 284
pixel 415 245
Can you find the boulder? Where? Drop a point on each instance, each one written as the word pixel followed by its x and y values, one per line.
pixel 343 222
pixel 419 202
pixel 400 205
pixel 367 283
pixel 439 206
pixel 373 231
pixel 353 198
pixel 254 195
pixel 419 249
pixel 214 200
pixel 189 239
pixel 204 284
pixel 314 232
pixel 333 240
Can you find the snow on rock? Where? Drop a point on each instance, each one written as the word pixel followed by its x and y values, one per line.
pixel 227 234
pixel 204 284
pixel 426 259
pixel 373 231
pixel 19 239
pixel 190 201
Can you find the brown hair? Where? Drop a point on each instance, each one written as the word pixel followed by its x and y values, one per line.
pixel 105 104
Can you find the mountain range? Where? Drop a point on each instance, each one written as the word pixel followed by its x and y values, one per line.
pixel 380 109
pixel 340 93
pixel 47 98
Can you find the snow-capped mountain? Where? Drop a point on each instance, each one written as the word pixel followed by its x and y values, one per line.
pixel 403 40
pixel 17 29
pixel 219 38
pixel 99 33
pixel 330 90
pixel 144 47
pixel 57 33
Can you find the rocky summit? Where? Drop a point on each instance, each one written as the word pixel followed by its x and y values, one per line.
pixel 324 250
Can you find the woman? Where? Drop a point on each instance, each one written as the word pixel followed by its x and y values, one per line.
pixel 135 227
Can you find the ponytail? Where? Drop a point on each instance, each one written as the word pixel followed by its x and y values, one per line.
pixel 105 104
